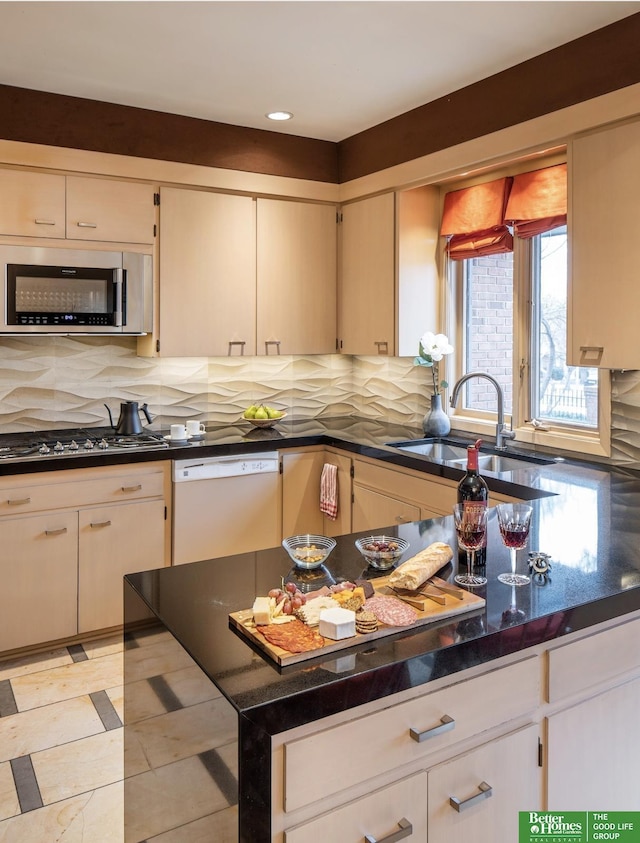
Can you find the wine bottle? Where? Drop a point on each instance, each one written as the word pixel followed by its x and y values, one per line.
pixel 474 492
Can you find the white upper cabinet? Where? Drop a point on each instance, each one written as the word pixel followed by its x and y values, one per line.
pixel 604 230
pixel 207 274
pixel 296 277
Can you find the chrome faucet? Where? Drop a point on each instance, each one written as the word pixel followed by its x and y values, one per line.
pixel 501 432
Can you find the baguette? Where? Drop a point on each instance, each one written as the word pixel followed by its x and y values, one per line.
pixel 417 570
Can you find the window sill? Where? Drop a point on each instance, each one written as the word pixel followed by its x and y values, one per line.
pixel 584 443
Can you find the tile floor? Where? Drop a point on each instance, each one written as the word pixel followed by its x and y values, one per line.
pixel 62 748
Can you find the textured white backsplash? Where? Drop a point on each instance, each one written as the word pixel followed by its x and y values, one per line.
pixel 57 382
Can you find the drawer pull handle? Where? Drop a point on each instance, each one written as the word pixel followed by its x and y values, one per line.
pixel 45 222
pixel 267 343
pixel 19 501
pixel 57 532
pixel 446 725
pixel 405 830
pixel 87 225
pixel 382 346
pixel 132 488
pixel 485 792
pixel 95 524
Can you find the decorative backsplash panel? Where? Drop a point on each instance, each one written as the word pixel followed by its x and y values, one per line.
pixel 57 382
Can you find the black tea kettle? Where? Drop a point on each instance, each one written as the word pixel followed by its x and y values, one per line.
pixel 129 419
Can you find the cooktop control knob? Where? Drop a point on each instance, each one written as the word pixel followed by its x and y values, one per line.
pixel 58 447
pixel 103 444
pixel 44 449
pixel 73 445
pixel 88 444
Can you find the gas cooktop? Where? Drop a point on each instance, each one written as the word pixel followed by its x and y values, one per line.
pixel 51 444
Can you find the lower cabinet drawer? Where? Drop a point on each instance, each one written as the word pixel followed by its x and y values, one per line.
pixel 477 796
pixel 408 731
pixel 378 816
pixel 577 666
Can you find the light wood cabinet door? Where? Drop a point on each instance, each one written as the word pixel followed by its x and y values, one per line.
pixel 296 284
pixel 301 476
pixel 593 752
pixel 509 766
pixel 604 228
pixel 373 510
pixel 32 204
pixel 366 291
pixel 109 210
pixel 207 274
pixel 114 541
pixel 39 566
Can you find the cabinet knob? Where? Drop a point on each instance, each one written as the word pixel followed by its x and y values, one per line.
pixel 57 532
pixel 405 830
pixel 460 805
pixel 446 725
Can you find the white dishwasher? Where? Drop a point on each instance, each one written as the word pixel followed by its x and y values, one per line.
pixel 225 505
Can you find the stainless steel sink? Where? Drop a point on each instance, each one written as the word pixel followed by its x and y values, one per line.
pixel 441 451
pixel 456 456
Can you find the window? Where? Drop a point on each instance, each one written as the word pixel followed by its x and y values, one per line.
pixel 512 318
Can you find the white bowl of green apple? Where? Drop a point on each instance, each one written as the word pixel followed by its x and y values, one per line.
pixel 263 415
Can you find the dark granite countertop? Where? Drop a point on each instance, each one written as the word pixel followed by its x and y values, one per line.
pixel 584 516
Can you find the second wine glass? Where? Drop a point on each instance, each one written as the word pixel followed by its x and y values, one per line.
pixel 471 527
pixel 514 520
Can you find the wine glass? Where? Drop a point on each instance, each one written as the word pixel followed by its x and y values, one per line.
pixel 471 527
pixel 514 520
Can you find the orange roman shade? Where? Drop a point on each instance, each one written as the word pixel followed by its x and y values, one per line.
pixel 538 201
pixel 473 219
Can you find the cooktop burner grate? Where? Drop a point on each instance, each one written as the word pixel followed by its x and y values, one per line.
pixel 74 442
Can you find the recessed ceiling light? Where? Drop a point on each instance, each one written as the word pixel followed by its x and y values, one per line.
pixel 279 115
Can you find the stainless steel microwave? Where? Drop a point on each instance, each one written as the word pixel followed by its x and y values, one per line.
pixel 68 291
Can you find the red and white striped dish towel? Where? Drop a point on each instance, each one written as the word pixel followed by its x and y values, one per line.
pixel 329 491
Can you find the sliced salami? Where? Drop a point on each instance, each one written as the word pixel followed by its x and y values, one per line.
pixel 295 636
pixel 391 611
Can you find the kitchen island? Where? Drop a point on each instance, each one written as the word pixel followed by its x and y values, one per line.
pixel 324 747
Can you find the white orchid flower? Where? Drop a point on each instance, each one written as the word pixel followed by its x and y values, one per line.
pixel 435 345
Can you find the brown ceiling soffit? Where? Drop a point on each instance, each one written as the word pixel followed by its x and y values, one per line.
pixel 596 64
pixel 76 123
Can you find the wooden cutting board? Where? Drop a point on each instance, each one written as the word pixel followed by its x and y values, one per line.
pixel 427 610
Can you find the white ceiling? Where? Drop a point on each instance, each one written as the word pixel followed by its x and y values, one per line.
pixel 340 67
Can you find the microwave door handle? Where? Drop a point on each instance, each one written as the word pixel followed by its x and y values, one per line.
pixel 118 310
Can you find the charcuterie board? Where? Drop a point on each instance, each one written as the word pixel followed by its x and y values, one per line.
pixel 427 611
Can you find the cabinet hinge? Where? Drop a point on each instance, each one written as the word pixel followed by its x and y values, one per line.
pixel 540 754
pixel 156 198
pixel 158 346
pixel 338 217
pixel 352 471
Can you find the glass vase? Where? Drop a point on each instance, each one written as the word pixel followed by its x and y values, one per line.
pixel 436 422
